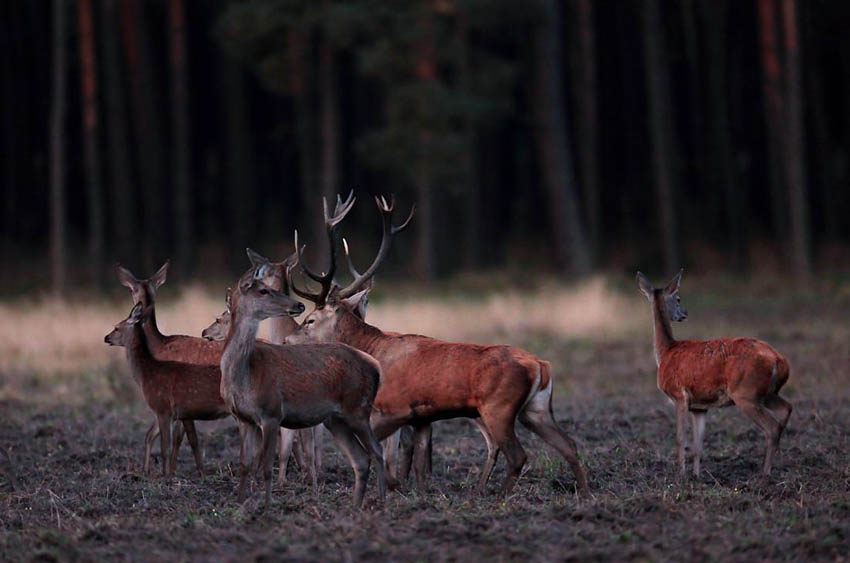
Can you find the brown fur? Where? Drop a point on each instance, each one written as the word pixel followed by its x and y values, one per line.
pixel 700 375
pixel 427 380
pixel 267 386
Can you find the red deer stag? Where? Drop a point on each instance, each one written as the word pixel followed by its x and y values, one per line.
pixel 173 390
pixel 425 379
pixel 267 386
pixel 701 375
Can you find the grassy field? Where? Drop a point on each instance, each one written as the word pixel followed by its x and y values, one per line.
pixel 72 422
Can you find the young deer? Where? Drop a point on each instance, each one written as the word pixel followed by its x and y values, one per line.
pixel 701 375
pixel 173 390
pixel 176 348
pixel 267 386
pixel 425 379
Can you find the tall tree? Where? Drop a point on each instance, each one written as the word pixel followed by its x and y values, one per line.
pixel 88 98
pixel 719 142
pixel 241 179
pixel 329 112
pixel 184 216
pixel 570 245
pixel 795 149
pixel 588 145
pixel 425 71
pixel 58 264
pixel 149 139
pixel 660 129
pixel 771 75
pixel 117 135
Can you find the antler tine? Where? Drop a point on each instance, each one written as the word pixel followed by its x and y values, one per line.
pixel 397 229
pixel 386 210
pixel 299 251
pixel 351 267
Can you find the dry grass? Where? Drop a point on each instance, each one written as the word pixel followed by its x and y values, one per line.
pixel 53 337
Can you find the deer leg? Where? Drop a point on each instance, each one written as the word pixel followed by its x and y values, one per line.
pixel 390 446
pixel 780 408
pixel 681 441
pixel 762 418
pixel 270 430
pixel 500 422
pixel 248 434
pixel 318 443
pixel 421 454
pixel 192 436
pixel 164 421
pixel 287 437
pixel 539 418
pixel 407 449
pixel 698 428
pixel 152 433
pixel 308 451
pixel 298 451
pixel 492 455
pixel 370 442
pixel 358 457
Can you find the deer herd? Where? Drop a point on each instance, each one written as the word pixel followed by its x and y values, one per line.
pixel 367 386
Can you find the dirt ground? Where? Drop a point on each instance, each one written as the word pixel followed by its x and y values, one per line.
pixel 79 493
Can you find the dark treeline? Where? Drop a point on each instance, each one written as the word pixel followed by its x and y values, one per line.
pixel 564 136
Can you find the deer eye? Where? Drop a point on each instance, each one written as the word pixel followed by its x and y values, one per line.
pixel 310 321
pixel 264 292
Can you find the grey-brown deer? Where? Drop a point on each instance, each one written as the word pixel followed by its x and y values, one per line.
pixel 700 375
pixel 425 379
pixel 267 386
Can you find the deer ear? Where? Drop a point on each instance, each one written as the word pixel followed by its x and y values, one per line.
pixel 227 297
pixel 644 285
pixel 673 286
pixel 159 277
pixel 357 302
pixel 261 271
pixel 125 277
pixel 256 258
pixel 135 314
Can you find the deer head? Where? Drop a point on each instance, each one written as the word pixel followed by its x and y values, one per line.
pixel 122 333
pixel 144 291
pixel 254 299
pixel 665 300
pixel 337 308
pixel 221 325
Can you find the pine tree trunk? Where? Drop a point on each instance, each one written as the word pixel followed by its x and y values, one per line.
pixel 587 144
pixel 240 169
pixel 329 126
pixel 425 71
pixel 660 130
pixel 184 216
pixel 88 98
pixel 149 139
pixel 772 114
pixel 568 238
pixel 12 103
pixel 58 265
pixel 722 172
pixel 795 147
pixel 123 214
pixel 472 204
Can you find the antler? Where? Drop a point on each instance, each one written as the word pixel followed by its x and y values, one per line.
pixel 389 231
pixel 326 280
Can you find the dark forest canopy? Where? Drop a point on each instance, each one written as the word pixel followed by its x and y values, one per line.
pixel 560 136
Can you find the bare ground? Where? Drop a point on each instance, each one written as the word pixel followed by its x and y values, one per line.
pixel 79 494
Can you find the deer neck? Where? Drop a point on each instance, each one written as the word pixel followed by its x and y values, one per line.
pixel 359 334
pixel 152 333
pixel 662 331
pixel 239 345
pixel 138 354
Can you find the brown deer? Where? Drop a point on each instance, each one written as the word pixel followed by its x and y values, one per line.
pixel 173 390
pixel 267 386
pixel 307 449
pixel 178 348
pixel 425 379
pixel 701 375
